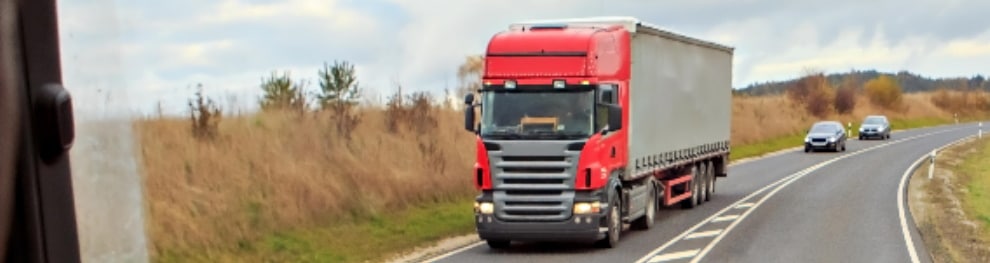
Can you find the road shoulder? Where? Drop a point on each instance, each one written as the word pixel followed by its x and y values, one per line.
pixel 938 208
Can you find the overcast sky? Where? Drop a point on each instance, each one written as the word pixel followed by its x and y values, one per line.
pixel 127 56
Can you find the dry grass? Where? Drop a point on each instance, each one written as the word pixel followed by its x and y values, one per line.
pixel 759 118
pixel 277 171
pixel 285 171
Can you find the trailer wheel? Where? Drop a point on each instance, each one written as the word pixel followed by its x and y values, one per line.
pixel 711 182
pixel 703 183
pixel 646 221
pixel 693 186
pixel 614 223
pixel 497 244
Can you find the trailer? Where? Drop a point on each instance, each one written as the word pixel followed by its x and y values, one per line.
pixel 584 125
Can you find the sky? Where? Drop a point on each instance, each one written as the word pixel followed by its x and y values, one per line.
pixel 144 57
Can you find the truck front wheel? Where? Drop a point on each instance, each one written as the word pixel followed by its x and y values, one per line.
pixel 498 243
pixel 614 223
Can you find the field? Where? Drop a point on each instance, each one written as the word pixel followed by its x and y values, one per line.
pixel 286 186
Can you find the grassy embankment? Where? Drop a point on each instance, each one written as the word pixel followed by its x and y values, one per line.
pixel 285 187
pixel 952 210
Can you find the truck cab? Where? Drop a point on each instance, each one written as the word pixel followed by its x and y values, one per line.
pixel 552 122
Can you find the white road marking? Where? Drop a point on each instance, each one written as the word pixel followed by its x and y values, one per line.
pixel 459 250
pixel 744 205
pixel 908 241
pixel 780 184
pixel 703 234
pixel 725 218
pixel 674 256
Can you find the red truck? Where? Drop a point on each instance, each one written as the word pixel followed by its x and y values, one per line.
pixel 584 125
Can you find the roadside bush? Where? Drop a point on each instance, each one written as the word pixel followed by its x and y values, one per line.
pixel 813 93
pixel 845 96
pixel 204 115
pixel 339 94
pixel 884 91
pixel 281 93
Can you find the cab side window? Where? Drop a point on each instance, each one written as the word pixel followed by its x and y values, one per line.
pixel 608 94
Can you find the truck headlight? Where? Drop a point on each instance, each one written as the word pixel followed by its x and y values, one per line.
pixel 484 208
pixel 587 208
pixel 510 84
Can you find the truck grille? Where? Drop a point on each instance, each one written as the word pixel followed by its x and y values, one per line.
pixel 533 188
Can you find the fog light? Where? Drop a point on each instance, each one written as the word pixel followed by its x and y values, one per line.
pixel 486 208
pixel 587 208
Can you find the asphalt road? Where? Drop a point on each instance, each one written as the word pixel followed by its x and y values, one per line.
pixel 790 207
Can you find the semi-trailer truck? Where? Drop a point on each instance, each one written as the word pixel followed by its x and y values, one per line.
pixel 585 125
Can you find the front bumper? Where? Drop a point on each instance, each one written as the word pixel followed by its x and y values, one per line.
pixel 588 229
pixel 871 134
pixel 577 227
pixel 824 145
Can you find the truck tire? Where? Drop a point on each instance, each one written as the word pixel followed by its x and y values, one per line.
pixel 693 187
pixel 703 183
pixel 711 182
pixel 498 244
pixel 647 220
pixel 614 220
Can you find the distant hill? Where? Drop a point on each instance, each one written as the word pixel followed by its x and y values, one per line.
pixel 910 82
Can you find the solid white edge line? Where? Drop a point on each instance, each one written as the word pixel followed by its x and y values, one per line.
pixel 459 250
pixel 900 211
pixel 908 240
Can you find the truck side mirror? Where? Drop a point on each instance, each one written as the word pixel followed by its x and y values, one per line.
pixel 469 99
pixel 469 112
pixel 469 118
pixel 614 117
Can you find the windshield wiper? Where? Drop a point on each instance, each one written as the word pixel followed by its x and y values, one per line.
pixel 547 134
pixel 503 134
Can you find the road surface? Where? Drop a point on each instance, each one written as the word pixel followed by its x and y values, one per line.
pixel 790 207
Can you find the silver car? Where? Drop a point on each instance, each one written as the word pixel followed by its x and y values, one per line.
pixel 875 126
pixel 826 135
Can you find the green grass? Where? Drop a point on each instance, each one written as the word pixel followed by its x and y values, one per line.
pixel 767 146
pixel 371 238
pixel 977 200
pixel 903 124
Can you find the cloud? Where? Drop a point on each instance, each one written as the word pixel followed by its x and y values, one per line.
pixel 153 50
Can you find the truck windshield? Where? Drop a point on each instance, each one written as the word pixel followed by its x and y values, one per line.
pixel 537 115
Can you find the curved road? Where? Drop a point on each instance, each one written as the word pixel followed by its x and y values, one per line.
pixel 790 207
